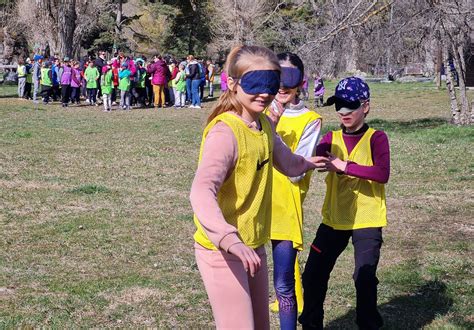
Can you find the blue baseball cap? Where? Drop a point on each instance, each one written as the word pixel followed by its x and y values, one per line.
pixel 37 57
pixel 350 93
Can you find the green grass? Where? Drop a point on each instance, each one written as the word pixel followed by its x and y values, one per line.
pixel 96 226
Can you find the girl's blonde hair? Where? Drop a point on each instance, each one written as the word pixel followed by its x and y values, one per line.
pixel 238 61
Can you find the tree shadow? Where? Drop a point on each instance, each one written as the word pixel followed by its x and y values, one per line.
pixel 407 126
pixel 9 96
pixel 411 311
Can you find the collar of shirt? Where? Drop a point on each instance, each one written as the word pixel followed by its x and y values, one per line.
pixel 255 125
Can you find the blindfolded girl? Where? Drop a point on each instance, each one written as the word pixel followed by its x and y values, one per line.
pixel 232 189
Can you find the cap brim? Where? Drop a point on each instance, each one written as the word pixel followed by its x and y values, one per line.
pixel 345 111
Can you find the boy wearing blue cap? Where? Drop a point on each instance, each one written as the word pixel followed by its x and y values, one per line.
pixel 358 166
pixel 36 78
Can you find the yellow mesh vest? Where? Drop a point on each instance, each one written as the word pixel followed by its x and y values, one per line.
pixel 353 203
pixel 288 197
pixel 245 196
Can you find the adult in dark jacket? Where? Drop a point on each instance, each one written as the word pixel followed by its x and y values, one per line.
pixel 99 63
pixel 160 75
pixel 195 76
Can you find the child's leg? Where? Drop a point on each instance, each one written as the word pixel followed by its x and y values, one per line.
pixel 109 102
pixel 367 243
pixel 259 293
pixel 105 102
pixel 64 94
pixel 89 95
pixel 326 248
pixel 128 96
pixel 284 256
pixel 77 94
pixel 183 99
pixel 122 99
pixel 94 95
pixel 227 286
pixel 211 89
pixel 177 98
pixel 27 94
pixel 21 86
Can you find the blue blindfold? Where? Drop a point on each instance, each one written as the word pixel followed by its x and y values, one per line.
pixel 291 77
pixel 261 82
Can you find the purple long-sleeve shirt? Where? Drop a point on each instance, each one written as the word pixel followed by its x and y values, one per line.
pixel 379 146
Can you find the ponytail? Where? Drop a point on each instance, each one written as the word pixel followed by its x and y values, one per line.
pixel 226 102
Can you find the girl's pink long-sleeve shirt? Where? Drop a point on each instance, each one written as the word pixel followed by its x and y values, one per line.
pixel 219 157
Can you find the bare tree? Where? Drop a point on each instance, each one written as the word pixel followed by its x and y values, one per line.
pixel 59 25
pixel 239 21
pixel 453 23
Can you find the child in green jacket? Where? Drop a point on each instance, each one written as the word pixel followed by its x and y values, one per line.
pixel 106 84
pixel 91 75
pixel 124 87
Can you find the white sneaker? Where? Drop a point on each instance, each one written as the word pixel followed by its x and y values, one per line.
pixel 197 107
pixel 191 107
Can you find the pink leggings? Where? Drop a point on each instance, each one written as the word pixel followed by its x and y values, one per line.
pixel 238 300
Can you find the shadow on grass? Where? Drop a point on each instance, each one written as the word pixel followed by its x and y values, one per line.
pixel 396 125
pixel 407 126
pixel 411 311
pixel 9 96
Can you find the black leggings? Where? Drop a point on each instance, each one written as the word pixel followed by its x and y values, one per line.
pixel 326 248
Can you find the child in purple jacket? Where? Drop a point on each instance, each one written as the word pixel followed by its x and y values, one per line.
pixel 318 90
pixel 76 79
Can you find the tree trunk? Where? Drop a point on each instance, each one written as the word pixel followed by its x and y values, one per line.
pixel 439 64
pixel 351 61
pixel 458 52
pixel 66 27
pixel 8 46
pixel 118 21
pixel 455 114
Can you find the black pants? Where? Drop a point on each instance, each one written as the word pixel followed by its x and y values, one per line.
pixel 92 95
pixel 326 248
pixel 139 96
pixel 113 95
pixel 27 94
pixel 46 92
pixel 75 94
pixel 56 92
pixel 65 93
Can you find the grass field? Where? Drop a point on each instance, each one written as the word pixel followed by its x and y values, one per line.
pixel 96 225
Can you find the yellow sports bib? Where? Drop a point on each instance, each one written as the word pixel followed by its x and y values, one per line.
pixel 288 197
pixel 353 203
pixel 245 196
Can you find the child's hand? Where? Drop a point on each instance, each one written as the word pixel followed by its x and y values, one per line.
pixel 334 164
pixel 276 109
pixel 248 256
pixel 319 162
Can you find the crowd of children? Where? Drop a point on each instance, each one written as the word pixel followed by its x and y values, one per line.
pixel 258 151
pixel 121 81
